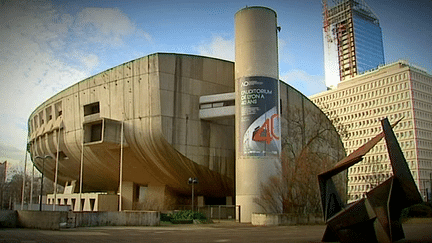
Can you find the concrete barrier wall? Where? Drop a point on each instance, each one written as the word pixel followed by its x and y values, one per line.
pixel 132 218
pixel 45 207
pixel 284 219
pixel 8 218
pixel 55 220
pixel 42 219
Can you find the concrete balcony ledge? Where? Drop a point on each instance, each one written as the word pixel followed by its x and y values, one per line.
pixel 217 113
pixel 217 106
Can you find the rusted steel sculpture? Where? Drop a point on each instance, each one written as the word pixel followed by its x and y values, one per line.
pixel 376 217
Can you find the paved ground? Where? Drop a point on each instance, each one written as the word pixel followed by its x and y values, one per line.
pixel 218 232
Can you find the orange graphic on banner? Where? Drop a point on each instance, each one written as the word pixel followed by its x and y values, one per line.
pixel 267 129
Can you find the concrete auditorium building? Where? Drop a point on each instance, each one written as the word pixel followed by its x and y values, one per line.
pixel 137 132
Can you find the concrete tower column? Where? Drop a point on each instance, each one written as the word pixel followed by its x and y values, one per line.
pixel 258 144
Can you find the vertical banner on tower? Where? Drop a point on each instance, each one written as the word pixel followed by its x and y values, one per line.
pixel 259 122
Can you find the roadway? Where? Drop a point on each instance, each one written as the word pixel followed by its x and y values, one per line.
pixel 217 232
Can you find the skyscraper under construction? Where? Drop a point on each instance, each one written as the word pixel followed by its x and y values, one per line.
pixel 352 40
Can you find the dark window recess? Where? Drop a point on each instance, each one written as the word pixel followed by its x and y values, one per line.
pixel 217 104
pixel 91 109
pixel 280 106
pixel 62 155
pixel 104 130
pixel 92 204
pixel 96 132
pixel 229 103
pixel 82 204
pixel 136 192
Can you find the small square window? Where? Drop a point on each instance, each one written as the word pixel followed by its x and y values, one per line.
pixel 91 109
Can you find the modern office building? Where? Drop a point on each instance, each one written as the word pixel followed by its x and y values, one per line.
pixel 396 91
pixel 352 40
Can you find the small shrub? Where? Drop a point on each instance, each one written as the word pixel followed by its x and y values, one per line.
pixel 187 215
pixel 182 217
pixel 422 210
pixel 165 217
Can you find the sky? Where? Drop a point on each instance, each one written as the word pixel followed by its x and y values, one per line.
pixel 47 46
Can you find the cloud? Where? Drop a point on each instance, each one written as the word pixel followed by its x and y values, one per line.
pixel 15 158
pixel 284 55
pixel 30 71
pixel 224 48
pixel 307 84
pixel 90 61
pixel 105 25
pixel 10 152
pixel 43 50
pixel 218 47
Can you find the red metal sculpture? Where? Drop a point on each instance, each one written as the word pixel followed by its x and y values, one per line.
pixel 375 218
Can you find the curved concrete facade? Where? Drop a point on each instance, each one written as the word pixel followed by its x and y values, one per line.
pixel 165 142
pixel 157 98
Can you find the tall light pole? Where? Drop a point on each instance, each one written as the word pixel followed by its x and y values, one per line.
pixel 192 181
pixel 24 179
pixel 430 180
pixel 43 168
pixel 56 170
pixel 31 187
pixel 121 166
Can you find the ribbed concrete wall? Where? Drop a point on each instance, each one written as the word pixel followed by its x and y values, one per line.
pixel 56 220
pixel 86 219
pixel 42 219
pixel 8 218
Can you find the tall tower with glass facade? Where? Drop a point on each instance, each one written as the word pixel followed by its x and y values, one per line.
pixel 352 40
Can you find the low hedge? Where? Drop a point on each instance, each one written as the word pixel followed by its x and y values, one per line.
pixel 421 210
pixel 182 217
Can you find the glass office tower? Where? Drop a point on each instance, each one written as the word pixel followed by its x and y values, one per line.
pixel 352 40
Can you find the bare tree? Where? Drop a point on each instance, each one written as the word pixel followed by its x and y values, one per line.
pixel 310 146
pixel 341 128
pixel 11 189
pixel 376 175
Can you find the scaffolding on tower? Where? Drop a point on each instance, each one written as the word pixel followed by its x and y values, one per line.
pixel 326 22
pixel 338 28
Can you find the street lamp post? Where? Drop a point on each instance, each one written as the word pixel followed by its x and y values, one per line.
pixel 43 168
pixel 430 180
pixel 192 181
